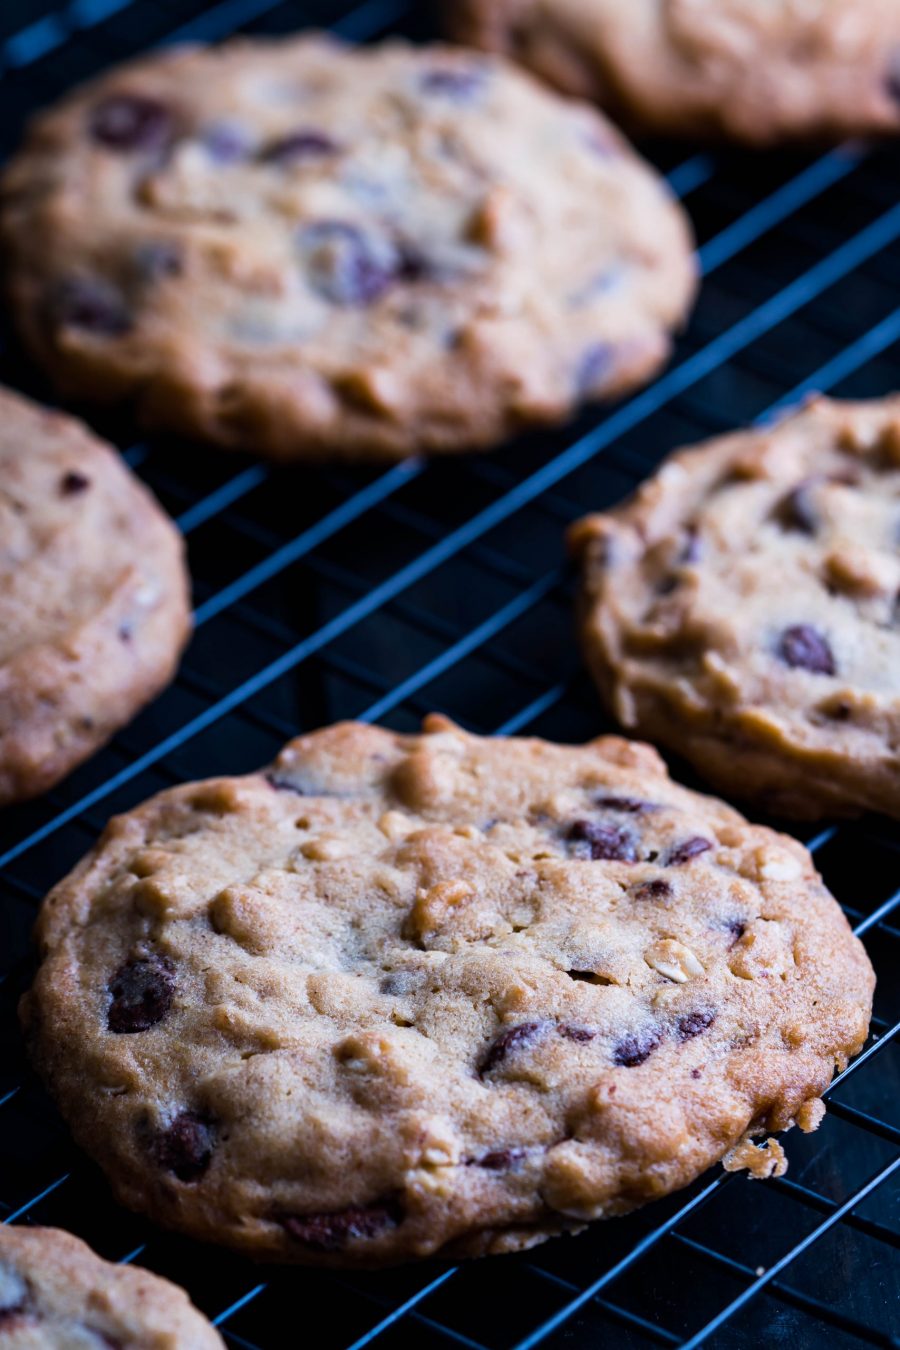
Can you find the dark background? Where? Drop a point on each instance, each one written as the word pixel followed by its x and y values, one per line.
pixel 388 593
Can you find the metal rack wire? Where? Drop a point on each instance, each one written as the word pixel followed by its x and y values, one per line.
pixel 381 594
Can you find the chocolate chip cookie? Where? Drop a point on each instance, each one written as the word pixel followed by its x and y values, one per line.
pixel 401 995
pixel 742 608
pixel 316 251
pixel 759 72
pixel 94 603
pixel 56 1294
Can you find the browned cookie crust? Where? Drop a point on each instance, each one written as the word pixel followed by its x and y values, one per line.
pixel 760 71
pixel 94 596
pixel 401 995
pixel 317 251
pixel 56 1294
pixel 742 609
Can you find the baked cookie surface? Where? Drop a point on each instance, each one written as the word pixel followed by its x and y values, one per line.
pixel 56 1294
pixel 757 70
pixel 742 609
pixel 312 250
pixel 94 602
pixel 409 994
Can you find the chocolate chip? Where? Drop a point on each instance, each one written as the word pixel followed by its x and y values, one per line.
pixel 459 83
pixel 283 784
pixel 797 509
pixel 131 122
pixel 594 369
pixel 347 265
pixel 691 848
pixel 330 1232
pixel 575 1033
pixel 93 305
pixel 298 146
pixel 632 805
pixel 635 1049
pixel 692 550
pixel 736 928
pixel 141 991
pixel 693 1023
pixel 186 1147
pixel 657 889
pixel 509 1041
pixel 226 142
pixel 157 259
pixel 805 648
pixel 596 841
pixel 72 483
pixel 501 1160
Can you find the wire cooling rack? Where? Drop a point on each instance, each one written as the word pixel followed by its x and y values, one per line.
pixel 386 593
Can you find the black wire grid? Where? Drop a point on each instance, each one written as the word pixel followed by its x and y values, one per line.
pixel 386 593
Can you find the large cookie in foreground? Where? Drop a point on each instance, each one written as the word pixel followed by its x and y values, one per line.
pixel 318 251
pixel 56 1294
pixel 94 596
pixel 405 995
pixel 759 72
pixel 742 608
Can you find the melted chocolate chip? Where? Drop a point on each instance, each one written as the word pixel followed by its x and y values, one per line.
pixel 93 305
pixel 186 1147
pixel 72 483
pixel 508 1042
pixel 297 147
pixel 657 889
pixel 632 805
pixel 692 551
pixel 157 259
pixel 128 122
pixel 693 1023
pixel 332 1231
pixel 347 265
pixel 502 1160
pixel 635 1049
pixel 141 992
pixel 805 648
pixel 594 368
pixel 575 1033
pixel 226 142
pixel 283 784
pixel 458 83
pixel 596 841
pixel 736 928
pixel 691 848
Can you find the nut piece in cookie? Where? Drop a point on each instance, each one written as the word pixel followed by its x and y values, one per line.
pixel 761 73
pixel 315 251
pixel 55 1292
pixel 94 596
pixel 742 608
pixel 407 995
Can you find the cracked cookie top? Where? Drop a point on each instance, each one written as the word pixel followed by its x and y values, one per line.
pixel 407 994
pixel 314 250
pixel 742 608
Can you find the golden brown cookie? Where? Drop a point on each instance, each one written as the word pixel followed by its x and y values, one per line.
pixel 94 596
pixel 742 608
pixel 56 1294
pixel 406 995
pixel 760 71
pixel 316 251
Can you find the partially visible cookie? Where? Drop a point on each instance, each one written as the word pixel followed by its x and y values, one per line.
pixel 742 608
pixel 760 71
pixel 56 1294
pixel 316 251
pixel 94 596
pixel 402 995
